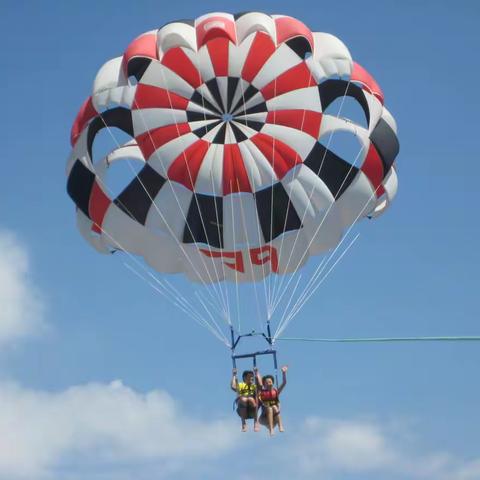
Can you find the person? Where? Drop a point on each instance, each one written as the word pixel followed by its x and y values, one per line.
pixel 247 402
pixel 269 397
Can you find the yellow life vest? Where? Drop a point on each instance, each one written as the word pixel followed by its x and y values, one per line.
pixel 245 390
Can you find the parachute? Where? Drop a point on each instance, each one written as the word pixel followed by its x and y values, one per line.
pixel 229 118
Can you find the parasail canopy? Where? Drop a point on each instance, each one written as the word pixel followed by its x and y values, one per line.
pixel 230 118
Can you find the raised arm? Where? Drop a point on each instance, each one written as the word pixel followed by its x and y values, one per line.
pixel 284 379
pixel 233 383
pixel 258 378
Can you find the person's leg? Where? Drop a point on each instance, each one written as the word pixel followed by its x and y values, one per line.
pixel 269 412
pixel 253 407
pixel 263 418
pixel 242 411
pixel 251 403
pixel 278 418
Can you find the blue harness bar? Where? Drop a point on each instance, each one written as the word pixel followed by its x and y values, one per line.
pixel 269 351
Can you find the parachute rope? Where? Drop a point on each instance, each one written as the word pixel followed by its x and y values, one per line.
pixel 279 297
pixel 304 299
pixel 215 298
pixel 206 300
pixel 244 223
pixel 236 273
pixel 332 133
pixel 214 284
pixel 196 317
pixel 271 186
pixel 212 318
pixel 290 301
pixel 183 303
pixel 313 277
pixel 224 293
pixel 186 307
pixel 172 289
pixel 264 279
pixel 218 226
pixel 275 291
pixel 336 262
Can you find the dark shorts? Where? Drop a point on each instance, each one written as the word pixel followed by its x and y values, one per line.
pixel 249 408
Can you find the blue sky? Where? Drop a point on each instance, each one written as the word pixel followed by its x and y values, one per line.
pixel 77 321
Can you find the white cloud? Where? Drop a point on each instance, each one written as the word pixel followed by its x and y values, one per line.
pixel 324 446
pixel 100 427
pixel 21 308
pixel 467 471
pixel 357 446
pixel 101 432
pixel 109 431
pixel 336 449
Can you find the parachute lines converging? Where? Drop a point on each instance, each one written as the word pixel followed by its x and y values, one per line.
pixel 240 183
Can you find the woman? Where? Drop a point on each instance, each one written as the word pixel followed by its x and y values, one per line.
pixel 269 398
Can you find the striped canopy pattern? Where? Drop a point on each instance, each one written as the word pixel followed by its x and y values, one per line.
pixel 229 117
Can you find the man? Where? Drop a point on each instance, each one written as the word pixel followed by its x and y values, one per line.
pixel 247 402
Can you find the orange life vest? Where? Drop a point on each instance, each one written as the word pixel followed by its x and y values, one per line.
pixel 269 397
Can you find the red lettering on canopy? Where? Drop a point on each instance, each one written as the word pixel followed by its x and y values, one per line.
pixel 258 258
pixel 237 256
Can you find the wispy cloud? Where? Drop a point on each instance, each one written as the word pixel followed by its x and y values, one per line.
pixel 21 306
pixel 337 449
pixel 112 432
pixel 342 445
pixel 109 431
pixel 105 428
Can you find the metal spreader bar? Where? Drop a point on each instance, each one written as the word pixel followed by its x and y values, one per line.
pixel 235 339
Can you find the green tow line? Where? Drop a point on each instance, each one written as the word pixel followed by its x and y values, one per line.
pixel 382 339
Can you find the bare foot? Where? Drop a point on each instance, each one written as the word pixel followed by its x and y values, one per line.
pixel 244 428
pixel 256 427
pixel 272 433
pixel 281 429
